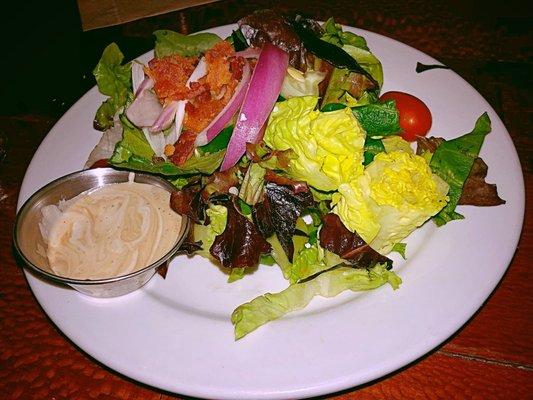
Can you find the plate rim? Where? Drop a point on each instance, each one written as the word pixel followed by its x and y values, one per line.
pixel 343 382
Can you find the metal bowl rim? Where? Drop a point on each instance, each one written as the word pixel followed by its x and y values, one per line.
pixel 186 223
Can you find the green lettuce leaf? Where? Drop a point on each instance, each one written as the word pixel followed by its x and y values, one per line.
pixel 135 153
pixel 335 35
pixel 253 184
pixel 377 119
pixel 453 160
pixel 103 118
pixel 400 249
pixel 397 193
pixel 220 142
pixel 368 61
pixel 328 145
pixel 310 261
pixel 372 148
pixel 169 42
pixel 279 255
pixel 250 316
pixel 113 80
pixel 340 85
pixel 218 215
pixel 267 259
pixel 236 274
pixel 297 83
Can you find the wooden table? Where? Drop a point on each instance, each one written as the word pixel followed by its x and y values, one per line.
pixel 49 68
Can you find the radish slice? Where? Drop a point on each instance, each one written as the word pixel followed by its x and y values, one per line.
pixel 137 76
pixel 250 52
pixel 229 110
pixel 259 100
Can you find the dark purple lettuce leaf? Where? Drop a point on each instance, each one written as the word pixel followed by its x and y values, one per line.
pixel 189 202
pixel 430 144
pixel 335 237
pixel 278 212
pixel 220 182
pixel 241 244
pixel 192 200
pixel 477 192
pixel 297 186
pixel 163 269
pixel 265 25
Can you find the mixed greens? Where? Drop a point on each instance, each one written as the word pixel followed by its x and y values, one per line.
pixel 283 154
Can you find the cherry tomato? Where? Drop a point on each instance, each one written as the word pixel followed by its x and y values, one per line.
pixel 415 117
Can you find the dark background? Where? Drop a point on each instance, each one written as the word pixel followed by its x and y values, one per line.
pixel 48 59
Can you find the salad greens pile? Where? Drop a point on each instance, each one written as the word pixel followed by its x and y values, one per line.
pixel 327 187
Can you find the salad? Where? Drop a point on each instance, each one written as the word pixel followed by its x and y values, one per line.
pixel 284 152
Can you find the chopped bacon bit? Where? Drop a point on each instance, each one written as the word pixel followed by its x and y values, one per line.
pixel 103 163
pixel 169 150
pixel 196 89
pixel 235 66
pixel 206 97
pixel 218 68
pixel 223 73
pixel 162 269
pixel 184 147
pixel 201 110
pixel 170 75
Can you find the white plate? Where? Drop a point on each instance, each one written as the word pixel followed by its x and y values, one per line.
pixel 175 334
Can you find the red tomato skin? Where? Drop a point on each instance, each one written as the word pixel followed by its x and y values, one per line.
pixel 415 116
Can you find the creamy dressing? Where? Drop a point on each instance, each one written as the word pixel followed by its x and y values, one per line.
pixel 110 231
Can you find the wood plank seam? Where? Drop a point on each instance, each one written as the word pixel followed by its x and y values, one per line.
pixel 509 364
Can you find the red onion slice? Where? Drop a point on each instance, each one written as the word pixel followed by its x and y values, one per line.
pixel 165 118
pixel 178 119
pixel 221 120
pixel 146 84
pixel 259 100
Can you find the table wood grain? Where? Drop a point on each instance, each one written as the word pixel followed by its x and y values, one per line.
pixel 48 67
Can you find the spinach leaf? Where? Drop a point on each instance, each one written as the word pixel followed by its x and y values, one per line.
pixel 378 119
pixel 372 147
pixel 220 142
pixel 238 40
